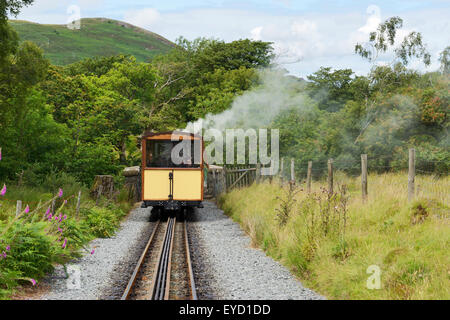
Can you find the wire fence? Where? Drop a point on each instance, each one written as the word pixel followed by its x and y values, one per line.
pixel 308 171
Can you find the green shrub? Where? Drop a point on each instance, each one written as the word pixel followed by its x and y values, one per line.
pixel 342 250
pixel 32 250
pixel 102 222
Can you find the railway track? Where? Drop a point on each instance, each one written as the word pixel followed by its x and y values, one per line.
pixel 164 270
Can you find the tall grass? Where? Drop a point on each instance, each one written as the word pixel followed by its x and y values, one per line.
pixel 408 242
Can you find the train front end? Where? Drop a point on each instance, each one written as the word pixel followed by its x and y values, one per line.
pixel 172 170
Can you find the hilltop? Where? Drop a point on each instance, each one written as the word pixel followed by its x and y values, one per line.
pixel 97 37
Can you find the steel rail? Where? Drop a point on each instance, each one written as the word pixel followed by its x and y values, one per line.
pixel 156 275
pixel 161 274
pixel 189 264
pixel 160 283
pixel 134 276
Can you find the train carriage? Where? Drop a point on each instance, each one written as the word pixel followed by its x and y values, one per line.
pixel 169 182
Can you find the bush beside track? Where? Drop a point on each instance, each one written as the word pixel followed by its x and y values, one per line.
pixel 33 244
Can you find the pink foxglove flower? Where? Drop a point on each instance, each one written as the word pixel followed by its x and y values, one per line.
pixel 48 211
pixel 8 248
pixel 60 193
pixel 65 217
pixel 27 209
pixel 64 244
pixel 33 282
pixel 50 216
pixel 3 191
pixel 92 252
pixel 4 254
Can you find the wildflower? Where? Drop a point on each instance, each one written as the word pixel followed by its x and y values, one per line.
pixel 60 193
pixel 48 211
pixel 65 217
pixel 4 254
pixel 8 248
pixel 33 282
pixel 3 191
pixel 0 154
pixel 92 252
pixel 50 216
pixel 27 209
pixel 64 244
pixel 65 201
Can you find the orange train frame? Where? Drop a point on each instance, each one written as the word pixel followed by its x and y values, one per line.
pixel 171 187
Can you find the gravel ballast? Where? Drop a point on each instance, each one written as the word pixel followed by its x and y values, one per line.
pixel 103 275
pixel 226 267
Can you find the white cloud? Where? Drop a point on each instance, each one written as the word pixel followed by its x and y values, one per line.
pixel 373 20
pixel 303 28
pixel 145 18
pixel 317 39
pixel 256 33
pixel 313 40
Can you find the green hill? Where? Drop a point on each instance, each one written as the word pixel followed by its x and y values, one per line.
pixel 97 37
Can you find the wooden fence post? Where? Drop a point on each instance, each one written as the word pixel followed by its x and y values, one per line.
pixel 78 203
pixel 364 176
pixel 292 171
pixel 282 170
pixel 221 181
pixel 18 207
pixel 330 176
pixel 226 178
pixel 411 173
pixel 309 177
pixel 271 172
pixel 258 172
pixel 214 183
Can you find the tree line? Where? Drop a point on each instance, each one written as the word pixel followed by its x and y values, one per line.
pixel 85 118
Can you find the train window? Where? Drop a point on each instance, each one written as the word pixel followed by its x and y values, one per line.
pixel 159 155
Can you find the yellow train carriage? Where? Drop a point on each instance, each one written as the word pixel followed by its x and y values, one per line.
pixel 172 180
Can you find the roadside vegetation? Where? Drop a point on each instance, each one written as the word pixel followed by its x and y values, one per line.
pixel 335 243
pixel 38 238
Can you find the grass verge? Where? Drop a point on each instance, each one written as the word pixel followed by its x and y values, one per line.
pixel 386 248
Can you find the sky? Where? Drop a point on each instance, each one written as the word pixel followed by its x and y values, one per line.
pixel 306 34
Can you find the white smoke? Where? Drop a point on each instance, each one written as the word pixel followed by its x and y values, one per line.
pixel 257 108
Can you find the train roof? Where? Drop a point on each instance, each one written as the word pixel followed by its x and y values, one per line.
pixel 168 134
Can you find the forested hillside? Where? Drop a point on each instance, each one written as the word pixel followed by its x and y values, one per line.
pixel 96 37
